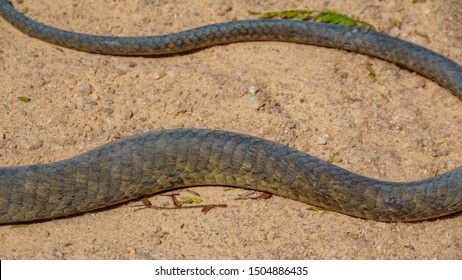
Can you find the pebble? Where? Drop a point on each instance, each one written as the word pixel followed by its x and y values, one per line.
pixel 292 124
pixel 115 135
pixel 121 72
pixel 369 157
pixel 344 75
pixel 146 256
pixel 85 88
pixel 322 140
pixel 395 31
pixel 130 102
pixel 57 253
pixel 125 114
pixel 44 71
pixel 80 101
pixel 278 205
pixel 157 75
pixel 253 89
pixel 173 72
pixel 130 251
pixel 421 83
pixel 254 102
pixel 54 129
pixel 32 144
pixel 95 96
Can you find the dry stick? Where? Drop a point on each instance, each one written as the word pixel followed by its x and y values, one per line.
pixel 206 207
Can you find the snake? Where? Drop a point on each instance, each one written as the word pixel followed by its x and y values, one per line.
pixel 158 161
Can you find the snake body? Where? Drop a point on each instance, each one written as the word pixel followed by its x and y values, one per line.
pixel 149 163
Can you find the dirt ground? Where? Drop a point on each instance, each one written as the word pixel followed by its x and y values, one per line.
pixel 322 101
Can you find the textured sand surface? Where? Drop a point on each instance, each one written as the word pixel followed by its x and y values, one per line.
pixel 322 101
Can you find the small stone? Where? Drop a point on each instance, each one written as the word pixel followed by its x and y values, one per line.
pixel 173 72
pixel 278 205
pixel 322 140
pixel 57 253
pixel 85 88
pixel 32 144
pixel 130 251
pixel 130 102
pixel 80 101
pixel 94 96
pixel 254 102
pixel 369 157
pixel 395 31
pixel 121 72
pixel 125 114
pixel 157 75
pixel 292 123
pixel 115 135
pixel 253 89
pixel 421 83
pixel 54 129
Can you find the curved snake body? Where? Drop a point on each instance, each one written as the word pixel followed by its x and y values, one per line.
pixel 145 164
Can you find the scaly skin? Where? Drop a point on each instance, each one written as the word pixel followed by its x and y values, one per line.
pixel 145 164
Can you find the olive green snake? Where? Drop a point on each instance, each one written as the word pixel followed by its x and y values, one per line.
pixel 145 164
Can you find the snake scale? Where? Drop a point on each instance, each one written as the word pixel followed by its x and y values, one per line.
pixel 163 160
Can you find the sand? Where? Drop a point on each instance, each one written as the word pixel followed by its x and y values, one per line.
pixel 322 101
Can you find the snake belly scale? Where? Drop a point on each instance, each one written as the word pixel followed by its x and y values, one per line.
pixel 163 160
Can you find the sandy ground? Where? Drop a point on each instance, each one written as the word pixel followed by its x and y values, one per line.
pixel 402 127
